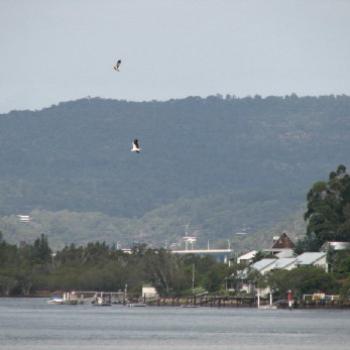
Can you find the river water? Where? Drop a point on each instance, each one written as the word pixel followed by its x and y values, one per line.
pixel 32 324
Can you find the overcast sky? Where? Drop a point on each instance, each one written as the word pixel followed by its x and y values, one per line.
pixel 52 51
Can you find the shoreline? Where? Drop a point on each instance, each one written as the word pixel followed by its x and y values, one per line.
pixel 216 302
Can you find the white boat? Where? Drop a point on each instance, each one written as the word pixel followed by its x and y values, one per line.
pixel 68 298
pixel 100 301
pixel 267 307
pixel 137 305
pixel 189 306
pixel 104 299
pixel 56 301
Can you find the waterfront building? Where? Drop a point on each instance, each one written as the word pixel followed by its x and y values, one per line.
pixel 246 258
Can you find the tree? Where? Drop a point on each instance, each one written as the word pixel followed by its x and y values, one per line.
pixel 215 278
pixel 328 210
pixel 41 252
pixel 7 284
pixel 302 280
pixel 308 244
pixel 262 255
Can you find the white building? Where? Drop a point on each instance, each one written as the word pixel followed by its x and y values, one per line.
pixel 247 257
pixel 149 292
pixel 24 218
pixel 335 246
pixel 312 258
pixel 263 266
pixel 286 253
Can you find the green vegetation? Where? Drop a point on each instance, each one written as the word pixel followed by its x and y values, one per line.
pixel 302 280
pixel 216 164
pixel 209 167
pixel 27 269
pixel 328 211
pixel 328 219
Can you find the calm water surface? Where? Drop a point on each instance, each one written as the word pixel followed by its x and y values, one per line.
pixel 32 324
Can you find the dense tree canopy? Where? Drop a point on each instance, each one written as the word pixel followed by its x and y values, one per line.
pixel 328 211
pixel 302 280
pixel 97 266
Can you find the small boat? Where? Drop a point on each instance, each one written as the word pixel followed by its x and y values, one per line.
pixel 56 301
pixel 189 306
pixel 136 305
pixel 102 300
pixel 61 301
pixel 267 307
pixel 68 298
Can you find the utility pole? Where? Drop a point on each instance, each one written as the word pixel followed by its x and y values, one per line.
pixel 193 277
pixel 230 254
pixel 125 293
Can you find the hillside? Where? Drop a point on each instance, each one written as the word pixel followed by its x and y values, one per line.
pixel 211 166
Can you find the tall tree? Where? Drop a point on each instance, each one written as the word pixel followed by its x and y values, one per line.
pixel 328 209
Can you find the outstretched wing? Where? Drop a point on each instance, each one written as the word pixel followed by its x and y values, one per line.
pixel 136 143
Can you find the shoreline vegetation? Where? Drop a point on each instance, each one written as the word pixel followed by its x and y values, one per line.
pixel 33 271
pixel 29 269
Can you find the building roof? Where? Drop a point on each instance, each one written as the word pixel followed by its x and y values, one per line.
pixel 335 245
pixel 247 256
pixel 282 263
pixel 285 253
pixel 262 264
pixel 283 242
pixel 309 258
pixel 266 265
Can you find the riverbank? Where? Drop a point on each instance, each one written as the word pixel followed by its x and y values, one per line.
pixel 213 301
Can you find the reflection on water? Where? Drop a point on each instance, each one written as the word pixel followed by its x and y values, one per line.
pixel 34 325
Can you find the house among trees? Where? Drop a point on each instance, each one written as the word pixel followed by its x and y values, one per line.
pixel 280 257
pixel 332 245
pixel 283 242
pixel 318 259
pixel 282 247
pixel 247 258
pixel 149 293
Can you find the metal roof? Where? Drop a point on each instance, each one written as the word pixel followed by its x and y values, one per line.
pixel 282 263
pixel 262 264
pixel 336 245
pixel 287 253
pixel 309 258
pixel 247 256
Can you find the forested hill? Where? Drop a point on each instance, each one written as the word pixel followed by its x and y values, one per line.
pixel 216 164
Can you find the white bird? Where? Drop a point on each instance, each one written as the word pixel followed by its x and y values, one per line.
pixel 135 146
pixel 117 65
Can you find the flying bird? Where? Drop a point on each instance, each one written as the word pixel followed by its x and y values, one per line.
pixel 135 146
pixel 117 65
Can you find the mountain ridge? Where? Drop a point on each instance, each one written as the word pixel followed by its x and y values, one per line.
pixel 75 156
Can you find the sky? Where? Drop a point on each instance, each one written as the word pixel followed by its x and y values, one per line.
pixel 53 51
